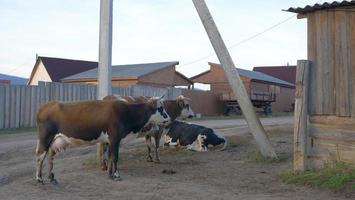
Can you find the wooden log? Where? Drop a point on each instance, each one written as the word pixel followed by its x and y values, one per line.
pixel 234 80
pixel 301 115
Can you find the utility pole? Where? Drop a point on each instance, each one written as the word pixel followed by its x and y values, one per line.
pixel 105 58
pixel 234 79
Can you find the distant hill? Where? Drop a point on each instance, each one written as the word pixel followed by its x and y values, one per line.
pixel 14 80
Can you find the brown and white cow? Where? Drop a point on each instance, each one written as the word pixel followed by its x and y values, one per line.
pixel 179 108
pixel 89 122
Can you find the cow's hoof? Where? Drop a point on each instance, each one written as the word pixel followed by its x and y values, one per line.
pixel 117 178
pixel 54 181
pixel 104 168
pixel 39 180
pixel 149 159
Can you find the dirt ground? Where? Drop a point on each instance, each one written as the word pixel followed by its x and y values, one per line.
pixel 229 174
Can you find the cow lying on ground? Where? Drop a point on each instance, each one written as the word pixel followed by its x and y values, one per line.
pixel 179 108
pixel 194 137
pixel 89 122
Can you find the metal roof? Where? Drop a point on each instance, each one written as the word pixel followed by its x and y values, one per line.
pixel 135 70
pixel 14 80
pixel 326 5
pixel 262 77
pixel 285 73
pixel 59 68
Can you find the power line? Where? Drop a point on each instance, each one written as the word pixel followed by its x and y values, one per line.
pixel 245 40
pixel 242 41
pixel 19 66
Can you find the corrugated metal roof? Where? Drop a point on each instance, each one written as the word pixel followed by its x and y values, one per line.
pixel 326 5
pixel 135 70
pixel 261 77
pixel 14 80
pixel 254 75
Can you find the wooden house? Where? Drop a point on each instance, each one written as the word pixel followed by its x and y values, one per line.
pixel 331 99
pixel 261 87
pixel 162 74
pixel 49 69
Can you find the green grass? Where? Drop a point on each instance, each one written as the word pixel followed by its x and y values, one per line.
pixel 256 156
pixel 17 130
pixel 334 175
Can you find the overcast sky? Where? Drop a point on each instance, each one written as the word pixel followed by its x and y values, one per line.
pixel 149 31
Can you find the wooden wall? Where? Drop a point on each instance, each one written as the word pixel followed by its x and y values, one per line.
pixel 331 48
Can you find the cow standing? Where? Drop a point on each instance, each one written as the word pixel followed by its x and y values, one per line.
pixel 89 122
pixel 179 108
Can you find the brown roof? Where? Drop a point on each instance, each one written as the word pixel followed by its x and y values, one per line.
pixel 59 68
pixel 326 5
pixel 285 73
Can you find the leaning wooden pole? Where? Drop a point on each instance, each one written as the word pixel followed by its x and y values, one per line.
pixel 105 57
pixel 301 116
pixel 234 80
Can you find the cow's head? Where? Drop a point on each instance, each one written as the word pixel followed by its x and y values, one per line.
pixel 184 105
pixel 159 116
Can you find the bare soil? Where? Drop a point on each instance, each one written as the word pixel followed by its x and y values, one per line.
pixel 231 174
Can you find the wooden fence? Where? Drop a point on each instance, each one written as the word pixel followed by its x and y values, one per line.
pixel 19 104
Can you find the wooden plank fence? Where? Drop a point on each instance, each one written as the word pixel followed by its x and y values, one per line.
pixel 19 104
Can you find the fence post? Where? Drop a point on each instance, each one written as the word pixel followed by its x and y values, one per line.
pixel 301 116
pixel 2 107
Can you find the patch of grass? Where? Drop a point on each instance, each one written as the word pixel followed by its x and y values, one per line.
pixel 90 162
pixel 17 130
pixel 334 175
pixel 256 156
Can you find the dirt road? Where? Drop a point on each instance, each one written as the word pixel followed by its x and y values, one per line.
pixel 230 174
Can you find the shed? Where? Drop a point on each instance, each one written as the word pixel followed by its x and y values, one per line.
pixel 331 103
pixel 160 74
pixel 259 86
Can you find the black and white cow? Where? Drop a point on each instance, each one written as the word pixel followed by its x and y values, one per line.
pixel 194 137
pixel 89 122
pixel 176 109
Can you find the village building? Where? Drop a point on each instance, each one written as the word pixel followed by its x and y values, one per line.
pixel 12 80
pixel 50 69
pixel 264 90
pixel 330 104
pixel 285 73
pixel 161 74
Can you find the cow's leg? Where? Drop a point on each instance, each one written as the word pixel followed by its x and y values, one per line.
pixel 105 157
pixel 114 152
pixel 157 137
pixel 148 141
pixel 43 143
pixel 51 178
